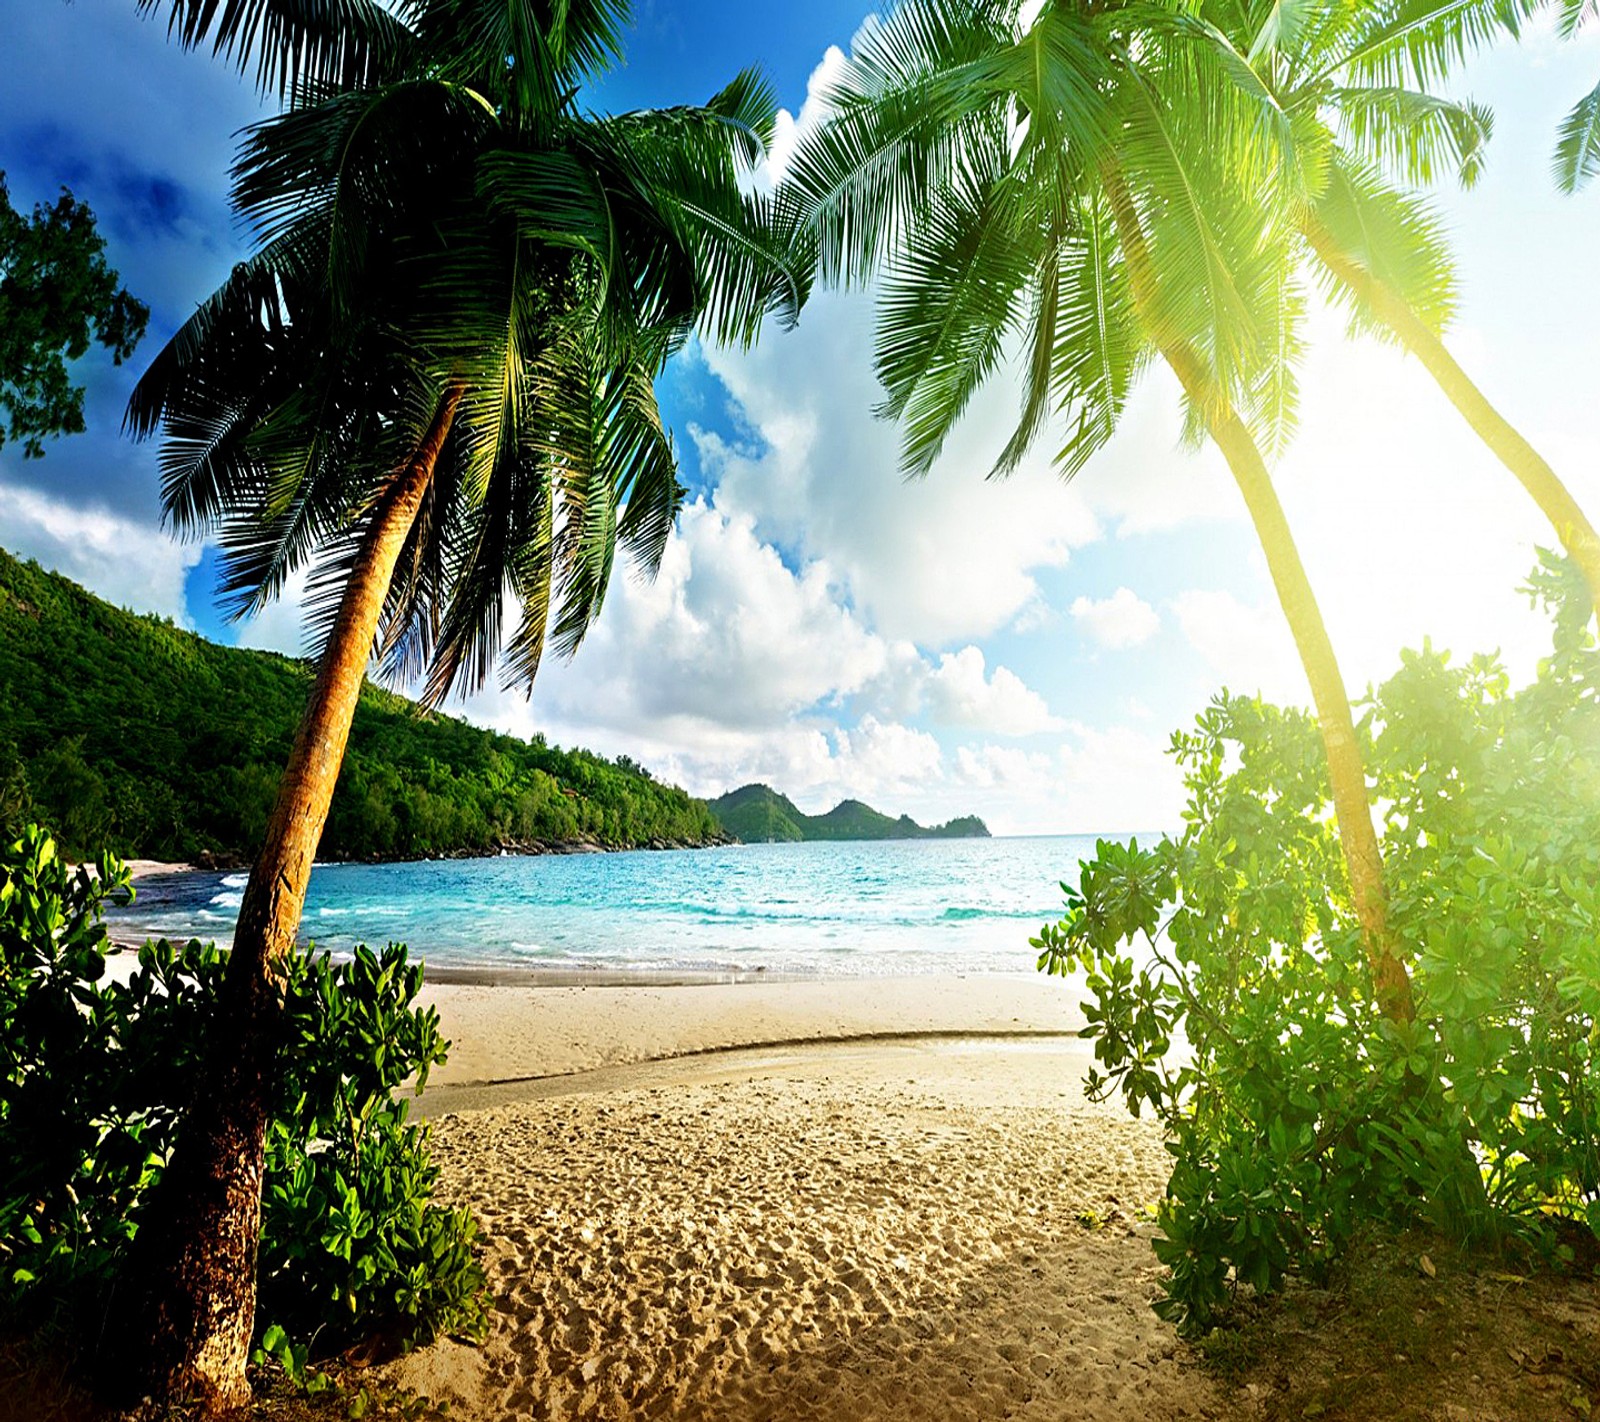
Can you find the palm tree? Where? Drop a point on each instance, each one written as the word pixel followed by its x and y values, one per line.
pixel 432 384
pixel 1346 86
pixel 1040 182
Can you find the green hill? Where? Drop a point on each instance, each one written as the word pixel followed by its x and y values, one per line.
pixel 758 813
pixel 125 731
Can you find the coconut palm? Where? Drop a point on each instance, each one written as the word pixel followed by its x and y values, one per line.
pixel 1348 88
pixel 1038 184
pixel 431 385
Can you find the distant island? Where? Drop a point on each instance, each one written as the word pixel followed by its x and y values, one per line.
pixel 759 814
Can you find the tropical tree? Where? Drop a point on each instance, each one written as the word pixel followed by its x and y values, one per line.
pixel 1040 185
pixel 431 384
pixel 58 295
pixel 1347 90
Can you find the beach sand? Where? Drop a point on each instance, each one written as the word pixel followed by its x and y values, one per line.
pixel 512 1031
pixel 913 1226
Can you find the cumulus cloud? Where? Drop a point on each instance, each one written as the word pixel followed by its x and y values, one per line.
pixel 951 557
pixel 789 128
pixel 1117 780
pixel 124 561
pixel 726 634
pixel 1248 647
pixel 961 694
pixel 891 757
pixel 729 641
pixel 1122 620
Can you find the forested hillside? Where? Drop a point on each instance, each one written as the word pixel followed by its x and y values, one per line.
pixel 126 731
pixel 758 814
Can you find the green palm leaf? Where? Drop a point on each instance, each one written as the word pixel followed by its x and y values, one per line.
pixel 295 44
pixel 1577 156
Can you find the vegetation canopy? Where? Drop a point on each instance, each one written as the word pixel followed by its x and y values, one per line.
pixel 125 731
pixel 58 298
pixel 1227 993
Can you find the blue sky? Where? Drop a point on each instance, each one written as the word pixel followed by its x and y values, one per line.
pixel 1021 651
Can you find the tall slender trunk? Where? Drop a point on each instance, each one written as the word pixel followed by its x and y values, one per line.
pixel 195 1255
pixel 1554 499
pixel 1346 770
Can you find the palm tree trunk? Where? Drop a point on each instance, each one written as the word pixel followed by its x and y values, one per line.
pixel 1346 770
pixel 1554 499
pixel 195 1254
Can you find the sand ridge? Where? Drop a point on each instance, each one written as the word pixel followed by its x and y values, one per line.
pixel 513 1033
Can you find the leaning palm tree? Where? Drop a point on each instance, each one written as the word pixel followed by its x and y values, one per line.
pixel 1038 182
pixel 1347 89
pixel 432 385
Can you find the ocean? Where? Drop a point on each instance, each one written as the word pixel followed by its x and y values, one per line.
pixel 818 909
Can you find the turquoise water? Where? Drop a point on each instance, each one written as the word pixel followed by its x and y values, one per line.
pixel 811 909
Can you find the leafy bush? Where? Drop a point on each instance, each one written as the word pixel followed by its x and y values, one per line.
pixel 350 1238
pixel 95 1076
pixel 1230 996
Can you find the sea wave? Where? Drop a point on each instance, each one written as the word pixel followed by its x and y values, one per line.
pixel 855 909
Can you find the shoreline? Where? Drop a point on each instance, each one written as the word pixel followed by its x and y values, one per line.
pixel 510 849
pixel 588 844
pixel 531 1030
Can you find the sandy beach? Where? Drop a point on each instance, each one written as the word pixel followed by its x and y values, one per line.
pixel 517 1030
pixel 895 1204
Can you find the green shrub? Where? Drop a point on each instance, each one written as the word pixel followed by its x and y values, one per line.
pixel 1229 992
pixel 94 1078
pixel 349 1237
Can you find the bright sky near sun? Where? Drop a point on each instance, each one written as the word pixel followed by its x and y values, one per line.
pixel 1018 650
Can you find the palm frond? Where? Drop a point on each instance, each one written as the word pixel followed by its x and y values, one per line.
pixel 289 45
pixel 1100 345
pixel 1394 236
pixel 1577 155
pixel 1416 43
pixel 1214 246
pixel 1416 135
pixel 947 305
pixel 532 580
pixel 918 92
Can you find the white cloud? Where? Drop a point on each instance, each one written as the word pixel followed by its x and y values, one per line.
pixel 892 758
pixel 1115 780
pixel 1122 620
pixel 1248 647
pixel 960 694
pixel 280 625
pixel 726 634
pixel 125 562
pixel 788 129
pixel 730 666
pixel 947 558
